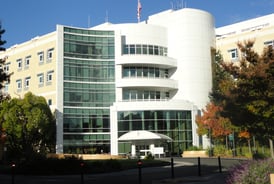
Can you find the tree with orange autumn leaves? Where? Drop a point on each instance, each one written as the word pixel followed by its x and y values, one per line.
pixel 245 93
pixel 211 122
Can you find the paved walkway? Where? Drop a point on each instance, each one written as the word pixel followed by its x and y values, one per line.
pixel 185 172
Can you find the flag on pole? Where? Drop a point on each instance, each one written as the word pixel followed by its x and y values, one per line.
pixel 139 8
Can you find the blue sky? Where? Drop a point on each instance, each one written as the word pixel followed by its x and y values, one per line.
pixel 25 19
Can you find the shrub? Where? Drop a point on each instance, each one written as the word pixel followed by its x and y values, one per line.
pixel 149 156
pixel 219 150
pixel 251 172
pixel 194 148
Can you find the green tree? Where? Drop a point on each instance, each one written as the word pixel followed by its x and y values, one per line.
pixel 249 102
pixel 222 81
pixel 4 77
pixel 29 126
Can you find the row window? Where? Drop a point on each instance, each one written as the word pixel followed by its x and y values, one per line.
pixel 140 71
pixel 145 49
pixel 26 83
pixel 27 80
pixel 234 52
pixel 49 55
pixel 133 95
pixel 27 59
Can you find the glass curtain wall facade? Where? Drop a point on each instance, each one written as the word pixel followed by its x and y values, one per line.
pixel 89 90
pixel 175 124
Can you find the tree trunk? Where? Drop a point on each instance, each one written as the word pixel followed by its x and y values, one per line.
pixel 249 146
pixel 271 148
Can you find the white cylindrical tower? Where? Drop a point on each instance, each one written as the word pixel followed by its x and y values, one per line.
pixel 191 40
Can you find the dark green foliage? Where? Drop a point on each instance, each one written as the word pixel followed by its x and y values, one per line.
pixel 29 126
pixel 4 77
pixel 246 90
pixel 2 42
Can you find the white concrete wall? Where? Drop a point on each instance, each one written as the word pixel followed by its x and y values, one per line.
pixel 191 36
pixel 60 89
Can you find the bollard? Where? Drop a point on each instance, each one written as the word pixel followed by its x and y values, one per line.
pixel 220 164
pixel 199 166
pixel 139 164
pixel 172 168
pixel 12 172
pixel 82 172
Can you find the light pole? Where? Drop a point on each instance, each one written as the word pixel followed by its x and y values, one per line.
pixel 210 154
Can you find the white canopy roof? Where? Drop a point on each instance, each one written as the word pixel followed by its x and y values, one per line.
pixel 140 135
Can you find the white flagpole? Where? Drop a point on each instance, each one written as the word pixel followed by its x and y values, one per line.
pixel 139 7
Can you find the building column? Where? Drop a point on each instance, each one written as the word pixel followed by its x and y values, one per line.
pixel 151 148
pixel 133 150
pixel 113 131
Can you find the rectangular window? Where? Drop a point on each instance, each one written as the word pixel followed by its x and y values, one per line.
pixel 138 49
pixel 139 71
pixel 166 73
pixel 150 49
pixel 7 67
pixel 165 51
pixel 50 54
pixel 161 50
pixel 27 61
pixel 49 76
pixel 269 43
pixel 6 88
pixel 131 49
pixel 156 50
pixel 126 72
pixel 167 95
pixel 19 84
pixel 27 82
pixel 233 54
pixel 40 77
pixel 125 94
pixel 126 48
pixel 158 95
pixel 132 72
pixel 19 64
pixel 41 57
pixel 144 49
pixel 49 101
pixel 157 72
pixel 145 71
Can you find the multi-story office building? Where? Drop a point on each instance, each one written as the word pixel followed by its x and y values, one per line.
pixel 260 30
pixel 109 82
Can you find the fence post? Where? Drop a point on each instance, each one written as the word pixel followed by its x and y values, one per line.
pixel 82 172
pixel 220 164
pixel 139 164
pixel 172 168
pixel 12 172
pixel 199 166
